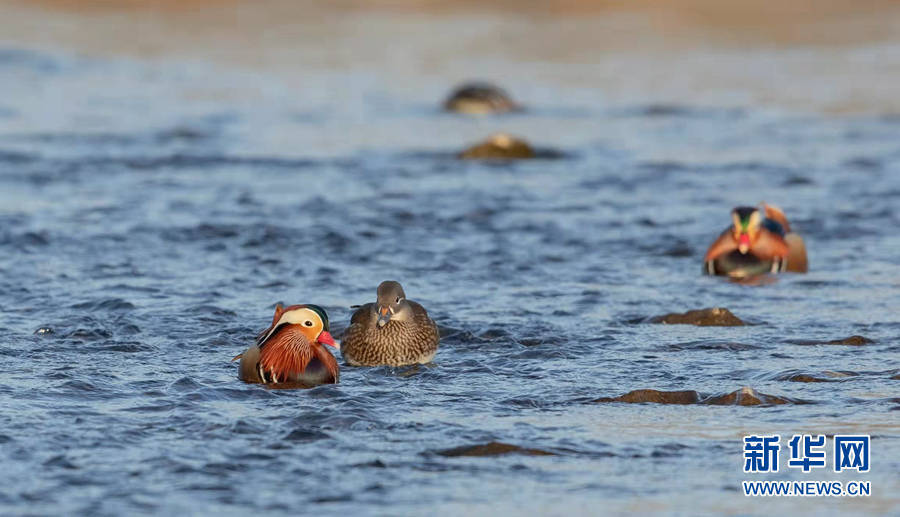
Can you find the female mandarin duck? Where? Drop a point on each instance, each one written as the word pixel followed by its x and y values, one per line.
pixel 479 98
pixel 291 351
pixel 758 242
pixel 393 331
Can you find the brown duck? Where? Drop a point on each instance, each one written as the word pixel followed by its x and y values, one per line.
pixel 393 331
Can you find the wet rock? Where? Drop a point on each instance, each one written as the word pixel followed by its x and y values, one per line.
pixel 656 397
pixel 492 449
pixel 803 377
pixel 824 376
pixel 715 317
pixel 745 396
pixel 500 146
pixel 849 341
pixel 479 98
pixel 43 331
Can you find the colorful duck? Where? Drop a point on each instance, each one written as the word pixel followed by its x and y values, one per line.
pixel 291 351
pixel 759 241
pixel 479 98
pixel 393 331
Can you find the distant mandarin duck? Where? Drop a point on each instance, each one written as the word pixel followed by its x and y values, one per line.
pixel 291 351
pixel 759 241
pixel 393 331
pixel 479 98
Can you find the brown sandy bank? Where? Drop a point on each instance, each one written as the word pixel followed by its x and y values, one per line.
pixel 826 55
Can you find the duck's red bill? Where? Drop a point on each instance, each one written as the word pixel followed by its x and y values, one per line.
pixel 326 339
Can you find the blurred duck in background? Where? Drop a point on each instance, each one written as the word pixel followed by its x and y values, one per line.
pixel 758 242
pixel 479 98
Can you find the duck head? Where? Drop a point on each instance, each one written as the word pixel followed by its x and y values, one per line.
pixel 746 222
pixel 391 303
pixel 296 336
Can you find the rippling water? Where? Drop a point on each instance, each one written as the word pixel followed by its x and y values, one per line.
pixel 151 215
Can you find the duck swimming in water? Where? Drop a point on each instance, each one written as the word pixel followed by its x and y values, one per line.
pixel 291 351
pixel 759 241
pixel 393 331
pixel 478 98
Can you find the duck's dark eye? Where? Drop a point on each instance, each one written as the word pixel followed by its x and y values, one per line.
pixel 308 323
pixel 397 300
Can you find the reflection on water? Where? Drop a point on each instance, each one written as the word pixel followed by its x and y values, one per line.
pixel 153 213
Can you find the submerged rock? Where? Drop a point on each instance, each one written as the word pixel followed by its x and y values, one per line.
pixel 715 317
pixel 804 377
pixel 656 397
pixel 848 341
pixel 499 146
pixel 492 449
pixel 745 396
pixel 851 341
pixel 824 376
pixel 479 98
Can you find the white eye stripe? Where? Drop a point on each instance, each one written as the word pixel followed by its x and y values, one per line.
pixel 293 317
pixel 297 316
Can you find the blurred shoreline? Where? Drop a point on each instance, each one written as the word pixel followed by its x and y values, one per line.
pixel 827 56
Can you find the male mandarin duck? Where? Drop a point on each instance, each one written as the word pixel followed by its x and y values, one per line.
pixel 759 241
pixel 291 351
pixel 393 331
pixel 478 98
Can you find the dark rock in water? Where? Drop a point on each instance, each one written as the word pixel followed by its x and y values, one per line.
pixel 43 331
pixel 745 396
pixel 656 397
pixel 715 317
pixel 802 377
pixel 491 449
pixel 479 98
pixel 824 376
pixel 500 146
pixel 805 377
pixel 850 341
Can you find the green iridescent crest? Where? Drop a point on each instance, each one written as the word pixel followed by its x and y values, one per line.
pixel 322 314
